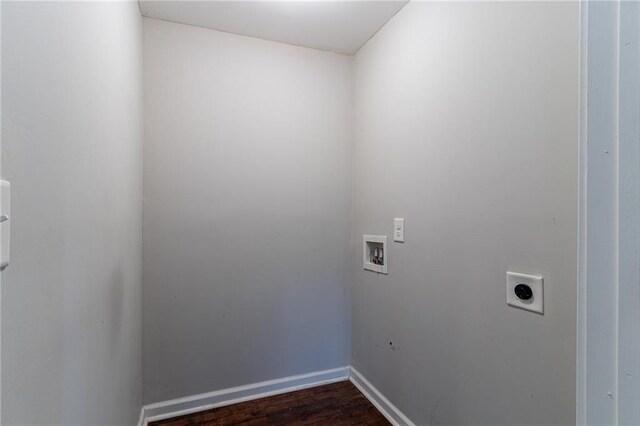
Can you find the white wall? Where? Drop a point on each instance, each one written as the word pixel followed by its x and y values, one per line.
pixel 72 135
pixel 466 118
pixel 247 194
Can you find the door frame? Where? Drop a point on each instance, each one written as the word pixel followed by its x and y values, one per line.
pixel 608 345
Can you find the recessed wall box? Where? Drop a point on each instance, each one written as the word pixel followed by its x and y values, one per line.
pixel 374 253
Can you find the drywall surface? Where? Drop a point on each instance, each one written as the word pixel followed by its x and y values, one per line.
pixel 467 126
pixel 247 195
pixel 72 149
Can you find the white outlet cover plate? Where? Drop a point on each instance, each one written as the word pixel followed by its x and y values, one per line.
pixel 536 303
pixel 398 229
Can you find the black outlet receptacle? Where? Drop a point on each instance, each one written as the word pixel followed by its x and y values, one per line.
pixel 523 291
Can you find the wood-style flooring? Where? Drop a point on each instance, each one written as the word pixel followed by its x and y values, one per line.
pixel 338 404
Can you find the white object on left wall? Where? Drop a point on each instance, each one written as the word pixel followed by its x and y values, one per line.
pixel 5 223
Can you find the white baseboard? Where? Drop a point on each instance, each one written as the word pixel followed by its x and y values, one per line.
pixel 207 401
pixel 141 418
pixel 390 411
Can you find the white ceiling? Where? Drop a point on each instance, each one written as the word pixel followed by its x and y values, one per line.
pixel 336 25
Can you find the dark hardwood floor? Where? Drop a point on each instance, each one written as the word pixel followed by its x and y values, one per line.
pixel 338 404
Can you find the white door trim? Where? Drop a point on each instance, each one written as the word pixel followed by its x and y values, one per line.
pixel 608 347
pixel 0 206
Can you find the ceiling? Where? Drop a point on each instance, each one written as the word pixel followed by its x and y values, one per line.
pixel 335 25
